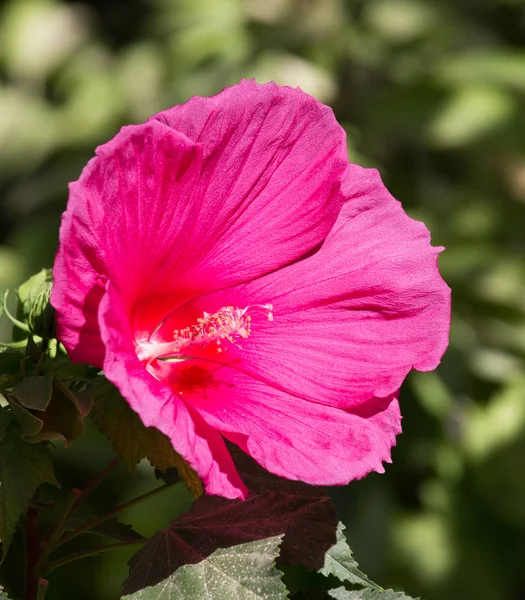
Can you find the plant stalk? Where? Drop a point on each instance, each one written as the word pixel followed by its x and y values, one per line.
pixel 32 544
pixel 43 584
pixel 95 482
pixel 60 562
pixel 87 526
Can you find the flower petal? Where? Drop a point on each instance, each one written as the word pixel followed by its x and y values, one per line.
pixel 351 320
pixel 274 159
pixel 199 444
pixel 297 439
pixel 165 227
pixel 128 218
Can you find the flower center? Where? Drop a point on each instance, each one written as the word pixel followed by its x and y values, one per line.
pixel 229 324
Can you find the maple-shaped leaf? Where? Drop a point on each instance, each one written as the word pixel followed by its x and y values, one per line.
pixel 257 479
pixel 340 563
pixel 242 572
pixel 308 523
pixel 132 440
pixel 23 468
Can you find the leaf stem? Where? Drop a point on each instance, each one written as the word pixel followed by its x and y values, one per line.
pixel 43 584
pixel 13 319
pixel 32 553
pixel 87 526
pixel 51 539
pixel 92 485
pixel 60 562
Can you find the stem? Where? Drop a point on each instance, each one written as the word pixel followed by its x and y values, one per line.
pixel 60 562
pixel 43 584
pixel 32 554
pixel 76 497
pixel 112 513
pixel 13 320
pixel 95 482
pixel 37 559
pixel 56 530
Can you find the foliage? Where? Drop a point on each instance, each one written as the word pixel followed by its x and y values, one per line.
pixel 340 563
pixel 133 441
pixel 23 468
pixel 244 572
pixel 220 548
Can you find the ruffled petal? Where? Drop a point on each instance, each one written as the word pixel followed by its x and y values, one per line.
pixel 294 438
pixel 198 443
pixel 273 162
pixel 127 221
pixel 351 320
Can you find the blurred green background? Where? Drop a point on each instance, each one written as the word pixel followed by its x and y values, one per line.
pixel 431 93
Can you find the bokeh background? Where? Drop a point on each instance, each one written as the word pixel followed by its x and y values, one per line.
pixel 430 92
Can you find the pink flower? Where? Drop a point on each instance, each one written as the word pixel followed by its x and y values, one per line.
pixel 236 277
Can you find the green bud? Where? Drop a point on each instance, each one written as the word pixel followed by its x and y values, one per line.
pixel 42 315
pixel 30 289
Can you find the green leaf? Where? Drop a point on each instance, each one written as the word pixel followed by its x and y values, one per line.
pixel 34 392
pixel 23 468
pixel 46 409
pixel 243 572
pixel 368 594
pixel 132 440
pixel 340 563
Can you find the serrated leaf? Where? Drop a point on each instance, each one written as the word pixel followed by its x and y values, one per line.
pixel 340 563
pixel 368 594
pixel 243 572
pixel 111 528
pixel 259 480
pixel 23 468
pixel 214 522
pixel 131 440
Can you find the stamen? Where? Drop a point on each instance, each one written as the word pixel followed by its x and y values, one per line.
pixel 228 324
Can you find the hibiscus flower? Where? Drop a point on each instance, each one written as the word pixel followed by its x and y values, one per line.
pixel 236 277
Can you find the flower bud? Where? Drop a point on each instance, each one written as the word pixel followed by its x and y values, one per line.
pixel 42 315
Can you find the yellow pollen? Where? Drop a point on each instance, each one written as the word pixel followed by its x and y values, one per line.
pixel 229 324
